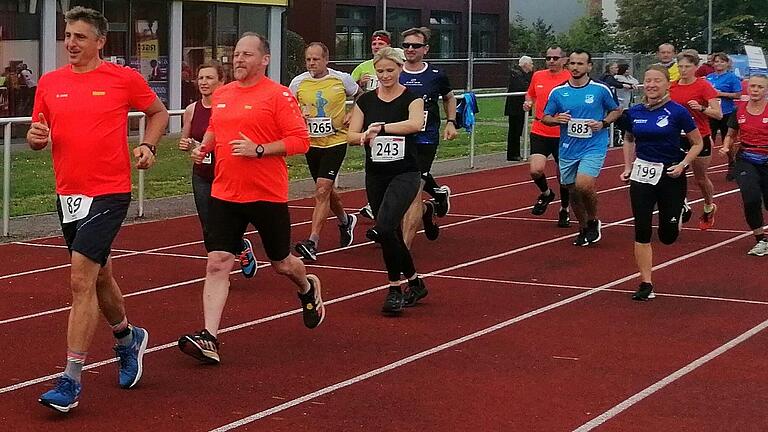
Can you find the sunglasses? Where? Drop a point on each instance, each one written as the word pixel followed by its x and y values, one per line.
pixel 407 45
pixel 552 58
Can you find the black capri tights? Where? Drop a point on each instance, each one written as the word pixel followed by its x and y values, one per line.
pixel 753 183
pixel 390 197
pixel 668 195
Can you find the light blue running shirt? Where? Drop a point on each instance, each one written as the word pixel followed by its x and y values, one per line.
pixel 593 101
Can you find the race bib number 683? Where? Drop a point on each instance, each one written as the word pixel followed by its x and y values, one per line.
pixel 578 128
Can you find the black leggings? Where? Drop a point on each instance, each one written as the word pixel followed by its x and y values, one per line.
pixel 753 183
pixel 390 197
pixel 669 195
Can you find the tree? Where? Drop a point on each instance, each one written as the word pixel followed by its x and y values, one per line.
pixel 543 36
pixel 521 38
pixel 590 33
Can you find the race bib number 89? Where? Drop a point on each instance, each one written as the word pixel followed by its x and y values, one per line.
pixel 646 172
pixel 74 207
pixel 387 148
pixel 578 128
pixel 319 127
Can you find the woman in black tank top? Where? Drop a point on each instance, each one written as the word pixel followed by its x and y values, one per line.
pixel 210 76
pixel 384 121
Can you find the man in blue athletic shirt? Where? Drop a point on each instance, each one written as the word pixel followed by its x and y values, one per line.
pixel 430 83
pixel 583 109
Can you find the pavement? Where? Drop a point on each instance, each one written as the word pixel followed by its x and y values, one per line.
pixel 46 225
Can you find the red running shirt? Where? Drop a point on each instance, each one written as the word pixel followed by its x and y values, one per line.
pixel 701 91
pixel 753 128
pixel 265 112
pixel 542 83
pixel 88 117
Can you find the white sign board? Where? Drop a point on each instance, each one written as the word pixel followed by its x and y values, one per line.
pixel 756 59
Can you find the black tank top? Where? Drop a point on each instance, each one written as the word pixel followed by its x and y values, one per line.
pixel 376 110
pixel 200 118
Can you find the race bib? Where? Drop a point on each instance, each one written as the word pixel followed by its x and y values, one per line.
pixel 424 126
pixel 387 148
pixel 208 159
pixel 578 128
pixel 646 172
pixel 319 127
pixel 373 84
pixel 74 207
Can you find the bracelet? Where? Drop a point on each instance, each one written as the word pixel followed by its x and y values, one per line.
pixel 151 147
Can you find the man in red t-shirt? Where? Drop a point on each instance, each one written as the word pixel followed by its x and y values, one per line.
pixel 255 122
pixel 545 140
pixel 82 110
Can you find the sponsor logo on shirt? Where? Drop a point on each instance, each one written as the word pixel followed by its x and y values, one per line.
pixel 248 107
pixel 61 95
pixel 765 119
pixel 640 121
pixel 221 106
pixel 98 93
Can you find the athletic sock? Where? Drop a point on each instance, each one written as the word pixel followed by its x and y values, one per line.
pixel 123 332
pixel 565 197
pixel 541 182
pixel 75 363
pixel 315 238
pixel 430 185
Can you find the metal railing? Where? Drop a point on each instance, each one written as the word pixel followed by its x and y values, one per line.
pixel 8 122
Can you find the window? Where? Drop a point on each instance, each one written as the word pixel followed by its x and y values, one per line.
pixel 485 34
pixel 149 45
pixel 19 58
pixel 354 26
pixel 445 33
pixel 226 32
pixel 400 20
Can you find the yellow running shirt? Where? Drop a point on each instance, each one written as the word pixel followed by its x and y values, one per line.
pixel 322 102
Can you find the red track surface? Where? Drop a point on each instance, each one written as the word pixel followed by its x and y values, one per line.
pixel 568 345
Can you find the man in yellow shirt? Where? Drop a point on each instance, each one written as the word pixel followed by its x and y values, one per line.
pixel 667 55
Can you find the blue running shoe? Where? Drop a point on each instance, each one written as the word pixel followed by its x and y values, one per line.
pixel 64 396
pixel 131 358
pixel 248 264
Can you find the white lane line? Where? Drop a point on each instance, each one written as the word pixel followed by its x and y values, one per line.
pixel 685 370
pixel 454 342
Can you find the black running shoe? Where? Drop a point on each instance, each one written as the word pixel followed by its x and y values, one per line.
pixel 563 218
pixel 593 233
pixel 393 304
pixel 581 238
pixel 416 291
pixel 443 201
pixel 687 212
pixel 542 202
pixel 366 212
pixel 307 249
pixel 312 307
pixel 202 346
pixel 372 235
pixel 644 292
pixel 730 176
pixel 431 230
pixel 347 231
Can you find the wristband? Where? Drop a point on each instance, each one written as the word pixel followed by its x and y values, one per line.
pixel 151 147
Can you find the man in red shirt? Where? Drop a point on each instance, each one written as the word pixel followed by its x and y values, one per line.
pixel 254 124
pixel 545 140
pixel 82 111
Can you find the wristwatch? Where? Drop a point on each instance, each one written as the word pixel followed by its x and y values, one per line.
pixel 704 108
pixel 605 124
pixel 451 121
pixel 151 147
pixel 259 151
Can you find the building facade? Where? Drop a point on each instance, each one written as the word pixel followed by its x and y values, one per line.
pixel 165 40
pixel 346 27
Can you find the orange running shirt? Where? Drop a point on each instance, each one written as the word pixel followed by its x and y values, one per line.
pixel 542 83
pixel 88 117
pixel 265 112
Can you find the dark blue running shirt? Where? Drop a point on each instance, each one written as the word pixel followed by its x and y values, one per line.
pixel 657 132
pixel 428 84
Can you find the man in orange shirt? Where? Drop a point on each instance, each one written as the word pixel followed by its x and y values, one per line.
pixel 545 140
pixel 254 124
pixel 82 110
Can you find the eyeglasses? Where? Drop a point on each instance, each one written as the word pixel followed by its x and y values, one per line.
pixel 552 58
pixel 407 45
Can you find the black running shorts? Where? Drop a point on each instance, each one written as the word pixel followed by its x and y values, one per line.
pixel 706 151
pixel 227 222
pixel 545 146
pixel 92 235
pixel 426 154
pixel 325 162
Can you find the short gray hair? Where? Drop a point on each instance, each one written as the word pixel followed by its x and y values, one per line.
pixel 90 16
pixel 525 60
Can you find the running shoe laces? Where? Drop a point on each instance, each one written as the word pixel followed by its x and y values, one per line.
pixel 64 396
pixel 201 345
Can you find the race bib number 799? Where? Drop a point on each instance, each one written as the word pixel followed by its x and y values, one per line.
pixel 74 207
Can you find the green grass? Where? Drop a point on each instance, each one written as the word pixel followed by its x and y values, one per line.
pixel 33 185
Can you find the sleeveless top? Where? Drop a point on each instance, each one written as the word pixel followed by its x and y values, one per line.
pixel 200 118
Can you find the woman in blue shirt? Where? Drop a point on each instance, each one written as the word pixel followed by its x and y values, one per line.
pixel 728 87
pixel 655 165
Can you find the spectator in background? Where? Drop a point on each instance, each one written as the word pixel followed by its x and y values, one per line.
pixel 628 82
pixel 706 68
pixel 519 80
pixel 611 69
pixel 27 88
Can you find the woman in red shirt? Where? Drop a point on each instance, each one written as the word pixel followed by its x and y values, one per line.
pixel 698 95
pixel 750 122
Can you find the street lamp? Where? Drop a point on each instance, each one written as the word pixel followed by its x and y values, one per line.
pixel 709 28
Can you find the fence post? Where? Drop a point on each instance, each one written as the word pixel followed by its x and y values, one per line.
pixel 142 126
pixel 526 151
pixel 470 71
pixel 7 180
